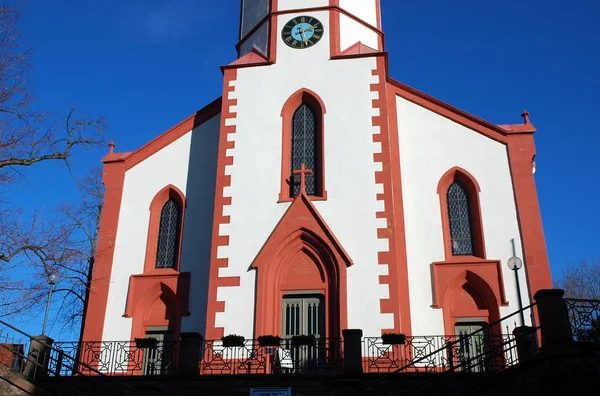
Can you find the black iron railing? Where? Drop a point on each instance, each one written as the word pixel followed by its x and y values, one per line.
pixel 492 348
pixel 324 355
pixel 584 318
pixel 38 360
pixel 122 357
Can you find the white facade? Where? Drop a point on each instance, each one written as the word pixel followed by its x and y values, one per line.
pixel 388 220
pixel 169 166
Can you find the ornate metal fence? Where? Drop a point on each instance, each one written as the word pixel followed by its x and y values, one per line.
pixel 440 353
pixel 121 357
pixel 584 317
pixel 320 356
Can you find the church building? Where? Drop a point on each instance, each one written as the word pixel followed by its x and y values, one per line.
pixel 317 194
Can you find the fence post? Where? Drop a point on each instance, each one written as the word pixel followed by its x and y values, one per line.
pixel 190 349
pixel 554 319
pixel 352 351
pixel 38 357
pixel 525 339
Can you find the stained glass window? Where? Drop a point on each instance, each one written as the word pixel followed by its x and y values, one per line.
pixel 459 216
pixel 168 235
pixel 304 149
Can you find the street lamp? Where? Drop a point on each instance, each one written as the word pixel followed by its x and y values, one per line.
pixel 515 264
pixel 53 279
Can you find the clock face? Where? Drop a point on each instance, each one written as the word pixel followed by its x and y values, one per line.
pixel 302 32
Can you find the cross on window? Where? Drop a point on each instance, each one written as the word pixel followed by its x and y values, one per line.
pixel 302 172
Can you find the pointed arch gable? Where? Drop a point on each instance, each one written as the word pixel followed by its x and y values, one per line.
pixel 144 293
pixel 473 283
pixel 301 229
pixel 297 99
pixel 472 188
pixel 167 193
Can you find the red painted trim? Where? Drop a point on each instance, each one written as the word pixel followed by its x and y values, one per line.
pixel 301 229
pixel 437 106
pixel 400 281
pixel 393 303
pixel 287 112
pixel 378 13
pixel 159 200
pixel 521 152
pixel 215 306
pixel 468 290
pixel 200 117
pixel 444 272
pixel 113 178
pixel 473 189
pixel 149 293
pixel 334 28
pixel 518 128
pixel 358 50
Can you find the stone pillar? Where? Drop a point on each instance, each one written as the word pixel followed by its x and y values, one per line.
pixel 554 319
pixel 352 351
pixel 38 357
pixel 190 353
pixel 525 338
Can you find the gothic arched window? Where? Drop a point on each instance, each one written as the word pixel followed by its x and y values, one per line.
pixel 460 221
pixel 168 235
pixel 304 147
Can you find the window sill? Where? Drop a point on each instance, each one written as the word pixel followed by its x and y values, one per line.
pixel 287 198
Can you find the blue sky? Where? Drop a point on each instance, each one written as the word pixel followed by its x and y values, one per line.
pixel 148 64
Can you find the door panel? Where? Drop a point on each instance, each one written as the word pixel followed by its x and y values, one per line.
pixel 303 315
pixel 471 347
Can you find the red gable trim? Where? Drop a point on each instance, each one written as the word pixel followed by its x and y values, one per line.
pixel 468 120
pixel 168 137
pixel 253 58
pixel 307 217
pixel 358 50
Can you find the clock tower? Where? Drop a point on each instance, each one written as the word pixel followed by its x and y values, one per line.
pixel 348 22
pixel 304 123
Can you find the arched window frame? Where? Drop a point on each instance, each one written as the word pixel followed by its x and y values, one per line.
pixel 470 184
pixel 302 96
pixel 158 202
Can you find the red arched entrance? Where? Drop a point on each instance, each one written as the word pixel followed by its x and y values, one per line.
pixel 301 260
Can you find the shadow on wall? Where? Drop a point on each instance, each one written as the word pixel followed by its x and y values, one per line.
pixel 197 230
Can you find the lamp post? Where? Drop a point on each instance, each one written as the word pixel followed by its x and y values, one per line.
pixel 52 280
pixel 515 264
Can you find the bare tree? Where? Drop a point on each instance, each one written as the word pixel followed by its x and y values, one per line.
pixel 581 281
pixel 82 223
pixel 33 246
pixel 65 245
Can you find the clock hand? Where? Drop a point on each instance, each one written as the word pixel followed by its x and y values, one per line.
pixel 302 32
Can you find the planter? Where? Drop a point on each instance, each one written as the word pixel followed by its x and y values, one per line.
pixel 269 341
pixel 146 342
pixel 303 340
pixel 393 338
pixel 233 340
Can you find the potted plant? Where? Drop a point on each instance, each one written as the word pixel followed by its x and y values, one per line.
pixel 269 340
pixel 149 342
pixel 393 338
pixel 303 340
pixel 232 340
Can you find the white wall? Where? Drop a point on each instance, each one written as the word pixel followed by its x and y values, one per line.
pixel 295 4
pixel 344 86
pixel 430 145
pixel 142 182
pixel 352 32
pixel 364 9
